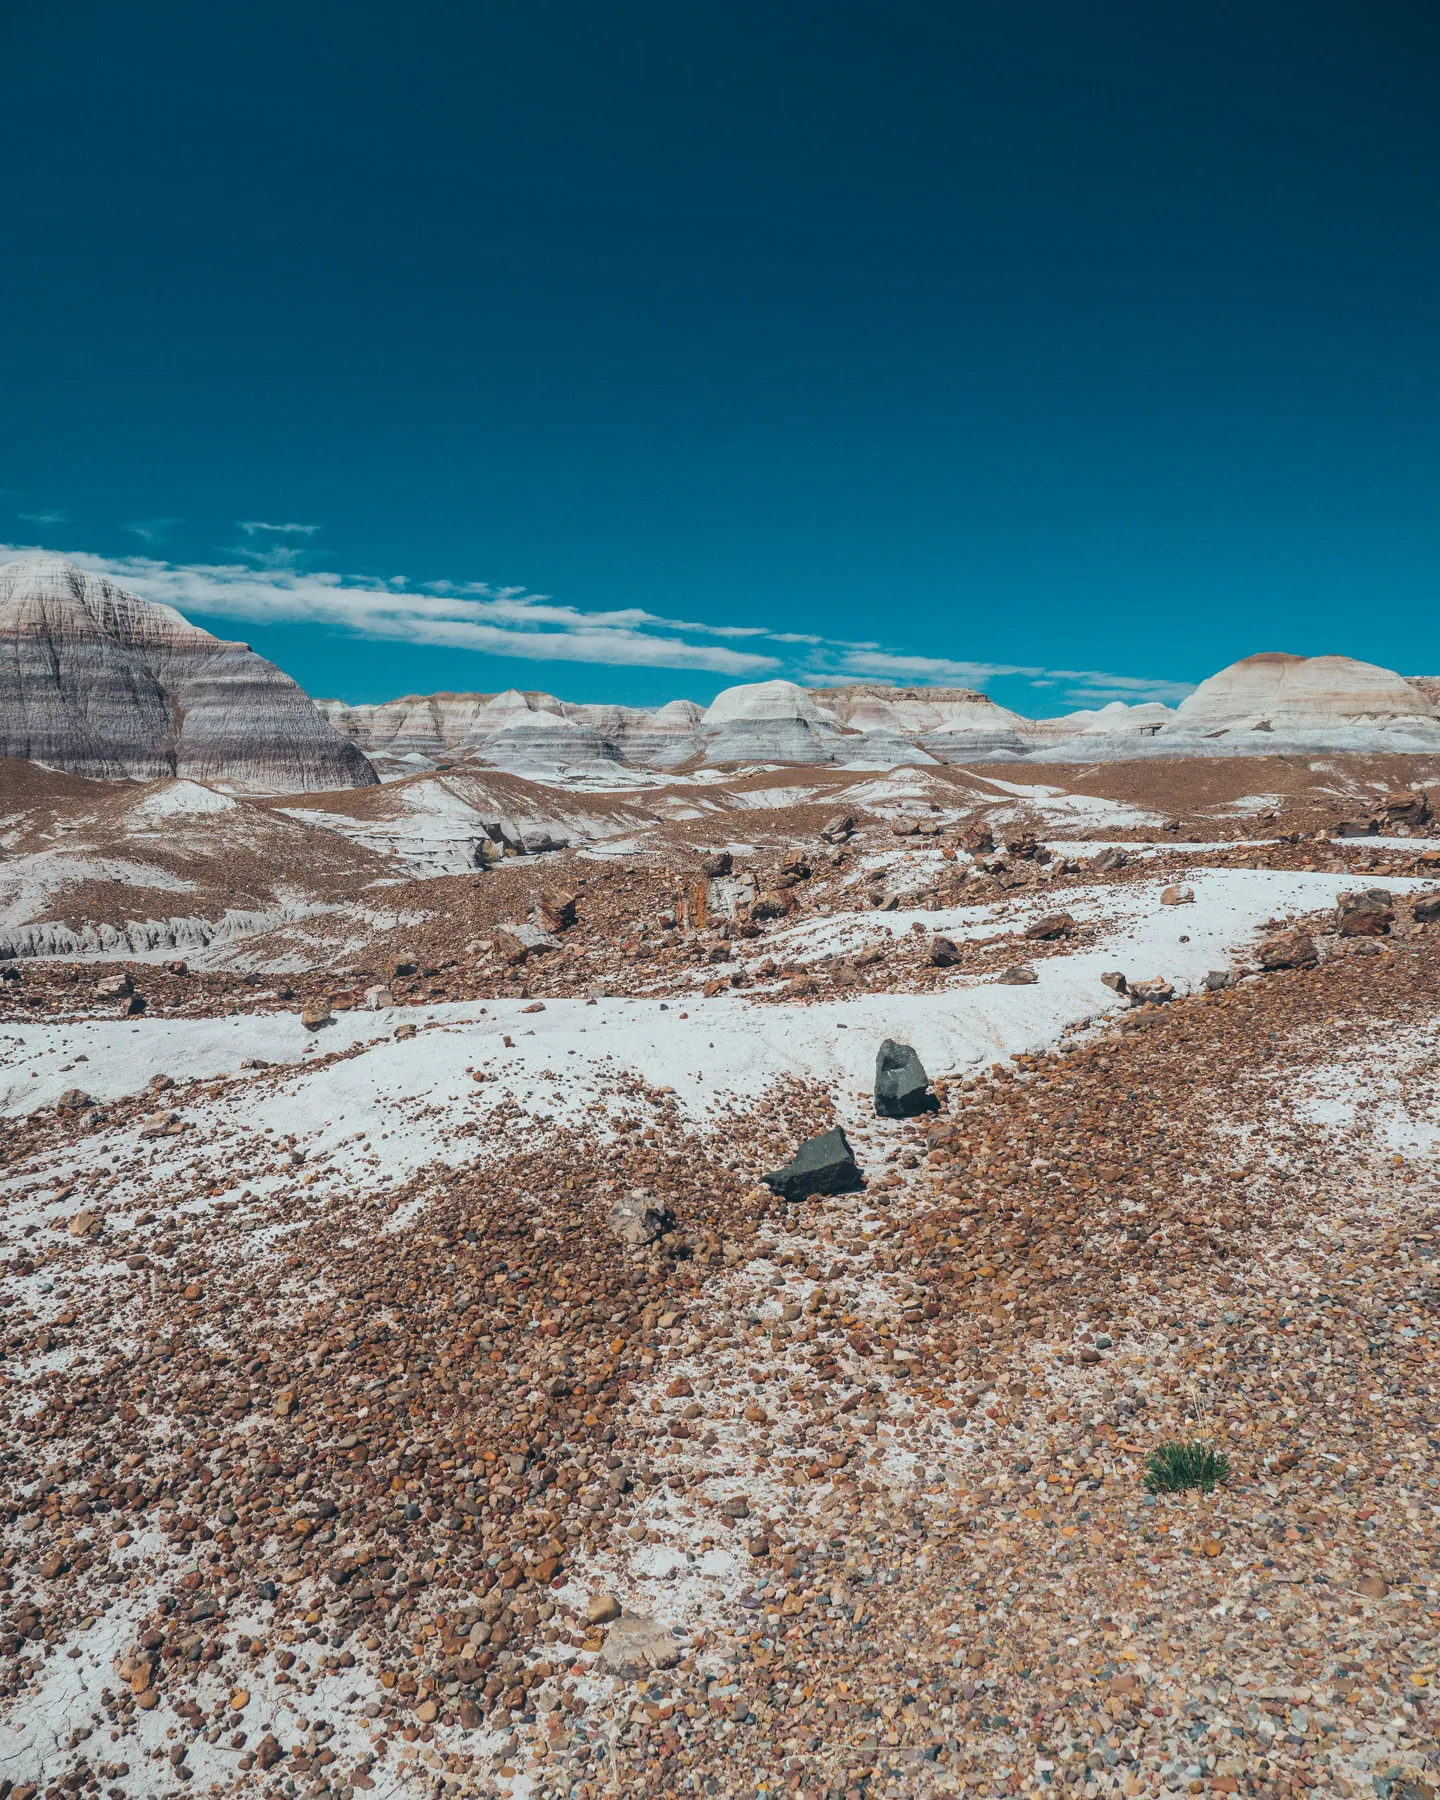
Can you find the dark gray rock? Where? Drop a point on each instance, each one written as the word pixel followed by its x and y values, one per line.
pixel 902 1088
pixel 822 1165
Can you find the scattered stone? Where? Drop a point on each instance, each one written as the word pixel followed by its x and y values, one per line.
pixel 1406 808
pixel 555 909
pixel 902 1088
pixel 1050 926
pixel 516 942
pixel 1177 896
pixel 944 952
pixel 1367 914
pixel 822 1165
pixel 1152 993
pixel 602 1609
pixel 637 1219
pixel 1116 981
pixel 1017 975
pixel 839 828
pixel 1291 950
pixel 115 987
pixel 635 1646
pixel 719 862
pixel 73 1100
pixel 378 998
pixel 315 1018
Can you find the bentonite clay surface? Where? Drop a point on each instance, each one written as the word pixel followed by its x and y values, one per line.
pixel 428 1396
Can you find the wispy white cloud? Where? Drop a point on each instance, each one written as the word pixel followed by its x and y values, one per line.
pixel 45 518
pixel 1091 684
pixel 1081 685
pixel 251 526
pixel 270 588
pixel 496 621
pixel 152 530
pixel 928 669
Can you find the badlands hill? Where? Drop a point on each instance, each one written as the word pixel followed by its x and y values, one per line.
pixel 1261 705
pixel 98 682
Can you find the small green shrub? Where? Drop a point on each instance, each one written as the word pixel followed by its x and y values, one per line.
pixel 1174 1467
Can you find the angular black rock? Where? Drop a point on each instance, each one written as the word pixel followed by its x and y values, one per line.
pixel 822 1165
pixel 901 1084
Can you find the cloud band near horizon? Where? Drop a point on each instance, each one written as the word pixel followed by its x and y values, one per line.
pixel 511 622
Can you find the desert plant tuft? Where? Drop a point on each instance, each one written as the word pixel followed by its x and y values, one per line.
pixel 1173 1467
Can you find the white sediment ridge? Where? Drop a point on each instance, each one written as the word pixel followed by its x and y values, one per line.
pixel 1268 704
pixel 729 1048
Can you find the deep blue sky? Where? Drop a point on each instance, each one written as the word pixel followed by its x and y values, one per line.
pixel 1087 335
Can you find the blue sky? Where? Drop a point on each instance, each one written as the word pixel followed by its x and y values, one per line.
pixel 630 350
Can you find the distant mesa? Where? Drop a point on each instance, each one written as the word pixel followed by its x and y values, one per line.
pixel 517 731
pixel 1262 705
pixel 96 681
pixel 1276 692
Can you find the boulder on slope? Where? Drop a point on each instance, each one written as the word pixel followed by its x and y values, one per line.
pixel 902 1088
pixel 822 1165
pixel 1367 914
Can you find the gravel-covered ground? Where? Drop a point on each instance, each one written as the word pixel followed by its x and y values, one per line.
pixel 348 1448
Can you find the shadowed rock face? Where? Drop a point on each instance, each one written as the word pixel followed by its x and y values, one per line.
pixel 99 682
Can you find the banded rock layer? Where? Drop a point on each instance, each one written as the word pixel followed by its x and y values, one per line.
pixel 1261 705
pixel 99 682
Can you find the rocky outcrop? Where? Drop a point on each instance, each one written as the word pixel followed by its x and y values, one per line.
pixel 98 682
